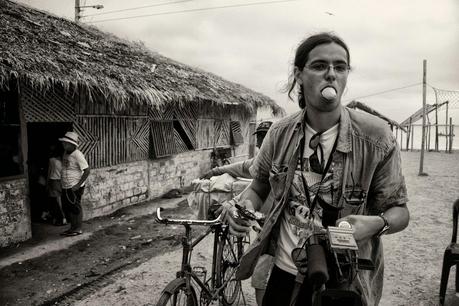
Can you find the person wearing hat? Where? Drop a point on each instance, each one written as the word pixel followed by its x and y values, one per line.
pixel 241 169
pixel 75 171
pixel 265 263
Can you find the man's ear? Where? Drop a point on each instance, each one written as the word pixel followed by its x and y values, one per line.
pixel 297 74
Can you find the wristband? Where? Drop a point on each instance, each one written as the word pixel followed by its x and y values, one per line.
pixel 385 228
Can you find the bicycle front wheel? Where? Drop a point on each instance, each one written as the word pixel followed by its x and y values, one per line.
pixel 175 294
pixel 229 253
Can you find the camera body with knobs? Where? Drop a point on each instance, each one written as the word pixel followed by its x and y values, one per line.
pixel 331 262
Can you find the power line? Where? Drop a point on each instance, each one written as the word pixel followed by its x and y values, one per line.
pixel 194 10
pixel 136 8
pixel 386 91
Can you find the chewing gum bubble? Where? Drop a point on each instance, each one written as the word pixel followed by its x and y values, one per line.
pixel 329 93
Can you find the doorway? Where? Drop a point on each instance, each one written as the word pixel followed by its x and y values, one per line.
pixel 41 137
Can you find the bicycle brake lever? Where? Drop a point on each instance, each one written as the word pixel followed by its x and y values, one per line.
pixel 247 214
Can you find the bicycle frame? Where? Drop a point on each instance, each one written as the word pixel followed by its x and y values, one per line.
pixel 186 272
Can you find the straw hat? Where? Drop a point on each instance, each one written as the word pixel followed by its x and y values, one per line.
pixel 70 137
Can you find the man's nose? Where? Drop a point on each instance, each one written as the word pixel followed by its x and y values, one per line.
pixel 330 74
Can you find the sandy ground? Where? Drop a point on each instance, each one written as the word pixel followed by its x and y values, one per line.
pixel 413 257
pixel 149 254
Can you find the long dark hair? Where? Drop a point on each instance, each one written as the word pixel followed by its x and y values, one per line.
pixel 302 54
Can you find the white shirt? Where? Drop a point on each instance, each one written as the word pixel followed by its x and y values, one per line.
pixel 73 165
pixel 54 168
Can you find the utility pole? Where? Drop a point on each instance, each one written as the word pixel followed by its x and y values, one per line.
pixel 424 85
pixel 78 9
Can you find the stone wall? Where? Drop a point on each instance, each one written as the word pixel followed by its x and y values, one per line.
pixel 15 224
pixel 111 188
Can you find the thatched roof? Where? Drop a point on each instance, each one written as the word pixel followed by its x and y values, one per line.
pixel 362 106
pixel 44 51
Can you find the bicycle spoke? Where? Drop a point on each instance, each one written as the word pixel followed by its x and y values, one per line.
pixel 229 256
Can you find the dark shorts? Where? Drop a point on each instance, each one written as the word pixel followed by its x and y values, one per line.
pixel 54 188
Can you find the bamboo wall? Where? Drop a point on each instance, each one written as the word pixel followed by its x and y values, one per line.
pixel 110 136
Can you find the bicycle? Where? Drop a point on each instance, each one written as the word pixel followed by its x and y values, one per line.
pixel 221 284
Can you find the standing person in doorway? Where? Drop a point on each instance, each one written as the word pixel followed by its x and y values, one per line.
pixel 75 171
pixel 54 185
pixel 324 164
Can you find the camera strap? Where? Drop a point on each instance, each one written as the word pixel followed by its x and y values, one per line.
pixel 324 173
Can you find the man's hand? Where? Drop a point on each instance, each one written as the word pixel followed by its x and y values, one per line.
pixel 76 187
pixel 364 227
pixel 237 225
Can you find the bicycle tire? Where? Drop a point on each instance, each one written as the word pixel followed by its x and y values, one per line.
pixel 176 296
pixel 229 253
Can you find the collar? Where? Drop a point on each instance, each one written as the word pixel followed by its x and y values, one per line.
pixel 344 144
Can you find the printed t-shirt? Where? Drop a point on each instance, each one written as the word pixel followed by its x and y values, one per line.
pixel 295 225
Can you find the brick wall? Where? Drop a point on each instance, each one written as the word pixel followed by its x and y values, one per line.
pixel 15 225
pixel 111 188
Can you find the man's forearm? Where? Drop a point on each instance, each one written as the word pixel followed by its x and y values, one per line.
pixel 256 193
pixel 83 177
pixel 398 218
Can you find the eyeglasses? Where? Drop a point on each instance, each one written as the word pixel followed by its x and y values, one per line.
pixel 314 163
pixel 319 67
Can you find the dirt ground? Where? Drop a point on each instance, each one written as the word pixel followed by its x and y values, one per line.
pixel 130 261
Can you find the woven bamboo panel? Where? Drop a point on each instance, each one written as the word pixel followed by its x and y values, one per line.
pixel 179 143
pixel 140 136
pixel 205 134
pixel 155 114
pixel 236 133
pixel 222 133
pixel 168 112
pixel 109 141
pixel 188 112
pixel 190 128
pixel 54 106
pixel 162 134
pixel 208 110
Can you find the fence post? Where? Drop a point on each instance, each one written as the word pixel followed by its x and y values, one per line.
pixel 451 134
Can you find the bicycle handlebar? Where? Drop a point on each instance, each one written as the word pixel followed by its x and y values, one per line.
pixel 166 221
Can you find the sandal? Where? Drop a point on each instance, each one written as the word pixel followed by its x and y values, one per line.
pixel 66 232
pixel 74 233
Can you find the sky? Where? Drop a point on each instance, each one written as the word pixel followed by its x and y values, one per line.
pixel 254 45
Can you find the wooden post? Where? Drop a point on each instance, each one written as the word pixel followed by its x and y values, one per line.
pixel 428 138
pixel 401 140
pixel 451 134
pixel 423 137
pixel 396 133
pixel 436 123
pixel 408 134
pixel 412 136
pixel 77 10
pixel 446 128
